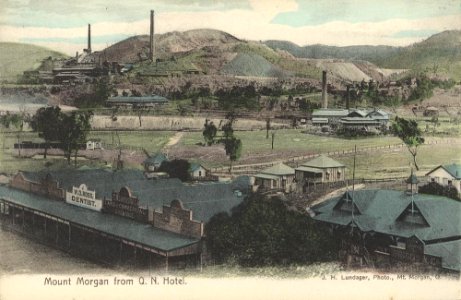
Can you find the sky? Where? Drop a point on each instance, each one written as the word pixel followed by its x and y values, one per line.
pixel 62 25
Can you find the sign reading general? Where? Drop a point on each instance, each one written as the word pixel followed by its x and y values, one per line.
pixel 83 197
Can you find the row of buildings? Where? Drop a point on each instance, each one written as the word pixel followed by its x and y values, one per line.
pixel 117 216
pixel 321 169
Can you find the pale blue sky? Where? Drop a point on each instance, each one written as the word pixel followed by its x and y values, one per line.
pixel 61 24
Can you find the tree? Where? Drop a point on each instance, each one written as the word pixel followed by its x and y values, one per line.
pixel 268 127
pixel 410 134
pixel 233 147
pixel 14 120
pixel 434 188
pixel 263 232
pixel 74 129
pixel 209 132
pixel 46 122
pixel 177 168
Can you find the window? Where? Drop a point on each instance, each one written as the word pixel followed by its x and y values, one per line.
pixel 432 179
pixel 199 173
pixel 450 183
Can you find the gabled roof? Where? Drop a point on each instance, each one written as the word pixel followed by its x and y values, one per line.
pixel 195 166
pixel 357 113
pixel 322 162
pixel 378 114
pixel 279 169
pixel 453 169
pixel 381 209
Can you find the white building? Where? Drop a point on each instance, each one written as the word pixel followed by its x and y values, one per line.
pixel 447 175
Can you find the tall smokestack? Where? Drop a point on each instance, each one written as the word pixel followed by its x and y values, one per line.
pixel 151 54
pixel 89 38
pixel 324 90
pixel 348 95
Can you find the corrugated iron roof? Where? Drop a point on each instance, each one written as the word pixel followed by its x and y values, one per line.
pixel 121 227
pixel 380 210
pixel 266 176
pixel 205 200
pixel 322 162
pixel 449 251
pixel 279 169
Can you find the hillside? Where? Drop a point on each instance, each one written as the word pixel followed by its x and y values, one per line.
pixel 440 55
pixel 136 48
pixel 368 53
pixel 216 52
pixel 16 58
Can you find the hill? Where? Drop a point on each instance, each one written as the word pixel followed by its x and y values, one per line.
pixel 215 52
pixel 136 48
pixel 16 58
pixel 440 55
pixel 368 53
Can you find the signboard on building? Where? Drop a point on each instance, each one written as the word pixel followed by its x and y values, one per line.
pixel 83 197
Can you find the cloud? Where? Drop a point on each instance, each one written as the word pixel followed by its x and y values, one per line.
pixel 311 12
pixel 254 22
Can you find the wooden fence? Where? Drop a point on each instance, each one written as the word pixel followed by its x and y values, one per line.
pixel 254 168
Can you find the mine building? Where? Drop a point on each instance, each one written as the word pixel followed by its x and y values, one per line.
pixel 116 217
pixel 400 230
pixel 132 101
pixel 352 118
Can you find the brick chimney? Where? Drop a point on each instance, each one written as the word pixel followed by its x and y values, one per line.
pixel 89 39
pixel 324 90
pixel 151 45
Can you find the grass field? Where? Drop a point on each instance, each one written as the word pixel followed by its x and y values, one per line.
pixel 152 141
pixel 396 164
pixel 293 140
pixel 256 148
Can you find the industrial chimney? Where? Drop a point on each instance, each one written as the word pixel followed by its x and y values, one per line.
pixel 89 39
pixel 348 87
pixel 324 90
pixel 151 54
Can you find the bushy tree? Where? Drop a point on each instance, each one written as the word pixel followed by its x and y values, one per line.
pixel 46 122
pixel 73 132
pixel 209 132
pixel 410 134
pixel 233 147
pixel 434 188
pixel 262 232
pixel 177 168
